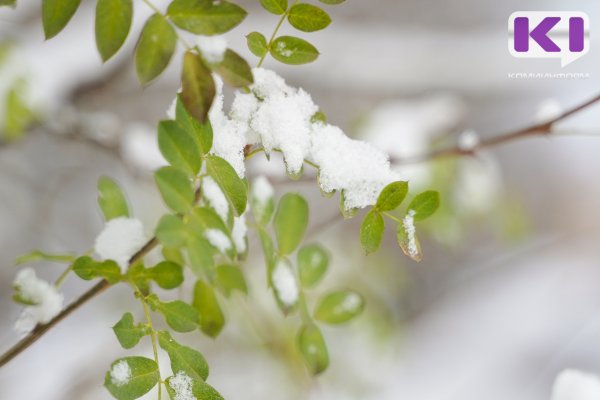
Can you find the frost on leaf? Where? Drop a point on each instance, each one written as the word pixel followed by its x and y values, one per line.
pixel 408 222
pixel 238 233
pixel 212 48
pixel 120 239
pixel 218 239
pixel 44 299
pixel 217 200
pixel 182 386
pixel 285 284
pixel 120 373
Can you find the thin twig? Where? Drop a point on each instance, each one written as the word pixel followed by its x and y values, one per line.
pixel 533 130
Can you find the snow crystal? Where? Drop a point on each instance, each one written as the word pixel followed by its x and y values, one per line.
pixel 468 140
pixel 281 48
pixel 576 385
pixel 217 200
pixel 285 284
pixel 409 227
pixel 238 233
pixel 120 373
pixel 262 191
pixel 212 48
pixel 356 167
pixel 171 111
pixel 47 301
pixel 120 239
pixel 218 239
pixel 182 385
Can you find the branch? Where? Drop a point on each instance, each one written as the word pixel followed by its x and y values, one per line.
pixel 533 130
pixel 40 330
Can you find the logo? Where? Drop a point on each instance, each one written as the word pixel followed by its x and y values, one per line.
pixel 539 34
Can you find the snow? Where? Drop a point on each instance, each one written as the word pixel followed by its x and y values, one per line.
pixel 576 385
pixel 120 373
pixel 262 191
pixel 215 197
pixel 218 239
pixel 238 233
pixel 212 48
pixel 408 222
pixel 468 140
pixel 285 284
pixel 351 303
pixel 182 385
pixel 120 239
pixel 171 111
pixel 47 301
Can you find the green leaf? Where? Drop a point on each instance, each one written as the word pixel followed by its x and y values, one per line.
pixel 113 21
pixel 184 358
pixel 257 43
pixel 205 301
pixel 175 188
pixel 171 231
pixel 56 14
pixel 200 253
pixel 179 315
pixel 197 86
pixel 200 390
pixel 313 348
pixel 10 3
pixel 87 269
pixel 268 251
pixel 143 376
pixel 332 1
pixel 277 7
pixel 231 278
pixel 313 261
pixel 201 133
pixel 128 334
pixel 425 204
pixel 155 48
pixel 205 19
pixel 230 183
pixel 178 147
pixel 234 70
pixel 371 231
pixel 339 307
pixel 38 255
pixel 137 273
pixel 167 274
pixel 294 51
pixel 308 18
pixel 111 199
pixel 291 221
pixel 411 248
pixel 392 196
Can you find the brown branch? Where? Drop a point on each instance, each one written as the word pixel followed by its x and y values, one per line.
pixel 533 130
pixel 40 330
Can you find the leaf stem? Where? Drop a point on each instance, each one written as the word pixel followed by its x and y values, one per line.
pixel 63 276
pixel 154 344
pixel 281 20
pixel 390 216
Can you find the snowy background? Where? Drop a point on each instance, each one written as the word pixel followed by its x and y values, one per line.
pixel 489 313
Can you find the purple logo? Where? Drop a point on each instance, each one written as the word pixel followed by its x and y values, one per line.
pixel 538 34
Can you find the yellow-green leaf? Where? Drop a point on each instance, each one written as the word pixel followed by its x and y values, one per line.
pixel 371 231
pixel 205 301
pixel 291 221
pixel 339 307
pixel 111 199
pixel 234 70
pixel 313 348
pixel 392 196
pixel 178 147
pixel 141 373
pixel 56 14
pixel 257 43
pixel 294 51
pixel 197 86
pixel 175 188
pixel 206 18
pixel 155 48
pixel 113 21
pixel 308 18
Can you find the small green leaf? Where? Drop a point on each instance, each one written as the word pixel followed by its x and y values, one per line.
pixel 277 7
pixel 200 390
pixel 10 3
pixel 173 254
pixel 178 147
pixel 205 301
pixel 339 307
pixel 234 70
pixel 201 133
pixel 291 221
pixel 230 183
pixel 313 348
pixel 166 274
pixel 200 253
pixel 113 21
pixel 141 373
pixel 332 1
pixel 56 14
pixel 392 196
pixel 371 231
pixel 313 261
pixel 184 358
pixel 111 199
pixel 87 269
pixel 175 188
pixel 38 255
pixel 155 48
pixel 171 231
pixel 308 18
pixel 231 278
pixel 179 315
pixel 294 51
pixel 257 43
pixel 205 18
pixel 197 86
pixel 425 204
pixel 128 334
